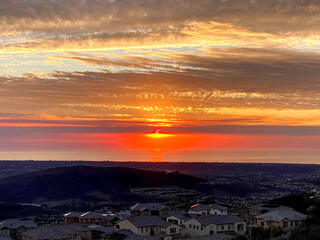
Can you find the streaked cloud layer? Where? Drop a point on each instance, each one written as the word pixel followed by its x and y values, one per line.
pixel 210 66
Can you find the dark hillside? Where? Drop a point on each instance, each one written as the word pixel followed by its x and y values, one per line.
pixel 75 182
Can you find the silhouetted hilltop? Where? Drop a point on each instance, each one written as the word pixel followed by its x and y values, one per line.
pixel 77 181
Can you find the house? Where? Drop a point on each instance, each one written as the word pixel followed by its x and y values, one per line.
pixel 150 209
pixel 14 227
pixel 208 209
pixel 58 232
pixel 281 218
pixel 92 218
pixel 206 225
pixel 72 217
pixel 98 231
pixel 179 218
pixel 147 226
pixel 259 209
pixel 264 208
pixel 87 218
pixel 122 235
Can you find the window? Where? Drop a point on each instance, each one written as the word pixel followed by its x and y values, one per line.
pixel 229 226
pixel 173 230
pixel 262 223
pixel 189 225
pixel 198 227
pixel 201 228
pixel 222 227
pixel 285 224
pixel 117 226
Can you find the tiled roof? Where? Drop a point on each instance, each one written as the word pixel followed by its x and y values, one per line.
pixel 124 235
pixel 52 232
pixel 279 215
pixel 145 221
pixel 148 206
pixel 101 229
pixel 217 219
pixel 16 223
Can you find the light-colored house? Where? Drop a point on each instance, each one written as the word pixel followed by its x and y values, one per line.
pixel 206 225
pixel 14 227
pixel 150 209
pixel 259 209
pixel 147 226
pixel 179 218
pixel 281 218
pixel 208 209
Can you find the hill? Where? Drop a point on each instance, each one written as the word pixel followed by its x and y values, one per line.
pixel 77 181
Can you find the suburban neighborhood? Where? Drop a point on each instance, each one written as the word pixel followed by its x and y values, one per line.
pixel 156 221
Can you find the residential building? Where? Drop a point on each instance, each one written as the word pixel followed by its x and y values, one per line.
pixel 87 218
pixel 150 209
pixel 14 227
pixel 147 226
pixel 122 235
pixel 206 225
pixel 259 209
pixel 72 217
pixel 92 218
pixel 58 232
pixel 208 209
pixel 179 218
pixel 281 218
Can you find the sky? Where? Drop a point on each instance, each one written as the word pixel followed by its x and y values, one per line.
pixel 223 80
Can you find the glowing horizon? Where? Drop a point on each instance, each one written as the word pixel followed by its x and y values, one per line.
pixel 212 75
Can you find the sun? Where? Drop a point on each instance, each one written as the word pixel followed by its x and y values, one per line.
pixel 157 133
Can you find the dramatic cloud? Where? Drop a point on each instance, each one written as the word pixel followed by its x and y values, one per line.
pixel 210 66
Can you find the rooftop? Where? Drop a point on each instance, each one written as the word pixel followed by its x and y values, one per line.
pixel 217 219
pixel 148 206
pixel 279 215
pixel 52 232
pixel 145 221
pixel 16 223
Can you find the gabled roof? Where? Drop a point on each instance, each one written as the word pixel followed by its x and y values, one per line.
pixel 268 207
pixel 217 219
pixel 16 223
pixel 91 215
pixel 52 232
pixel 73 214
pixel 184 216
pixel 148 206
pixel 101 229
pixel 145 221
pixel 203 207
pixel 123 235
pixel 279 215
